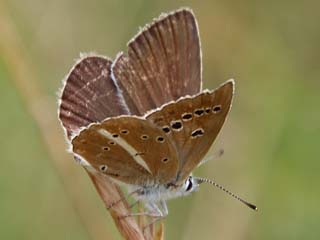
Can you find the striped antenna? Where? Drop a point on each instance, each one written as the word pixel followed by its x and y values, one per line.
pixel 204 180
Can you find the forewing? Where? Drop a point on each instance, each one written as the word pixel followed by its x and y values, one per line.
pixel 89 94
pixel 163 63
pixel 193 123
pixel 129 149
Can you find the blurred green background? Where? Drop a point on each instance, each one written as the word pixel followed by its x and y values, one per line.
pixel 271 138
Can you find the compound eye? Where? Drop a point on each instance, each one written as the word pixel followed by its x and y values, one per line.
pixel 189 184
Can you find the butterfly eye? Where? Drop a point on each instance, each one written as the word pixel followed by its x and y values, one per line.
pixel 216 109
pixel 189 185
pixel 103 168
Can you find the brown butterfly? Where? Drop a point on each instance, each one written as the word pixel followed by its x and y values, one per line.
pixel 142 119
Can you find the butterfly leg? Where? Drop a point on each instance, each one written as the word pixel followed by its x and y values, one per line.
pixel 133 204
pixel 154 212
pixel 122 199
pixel 164 212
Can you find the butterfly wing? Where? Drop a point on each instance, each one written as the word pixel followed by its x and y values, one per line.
pixel 129 149
pixel 89 94
pixel 193 123
pixel 163 63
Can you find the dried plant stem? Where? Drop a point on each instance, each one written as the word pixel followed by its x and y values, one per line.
pixel 128 227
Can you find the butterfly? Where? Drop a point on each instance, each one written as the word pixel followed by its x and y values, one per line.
pixel 143 119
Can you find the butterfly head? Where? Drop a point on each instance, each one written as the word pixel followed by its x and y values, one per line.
pixel 190 185
pixel 185 188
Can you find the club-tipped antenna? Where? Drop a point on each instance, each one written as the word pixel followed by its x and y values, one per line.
pixel 204 180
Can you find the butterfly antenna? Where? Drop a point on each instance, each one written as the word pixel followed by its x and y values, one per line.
pixel 204 180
